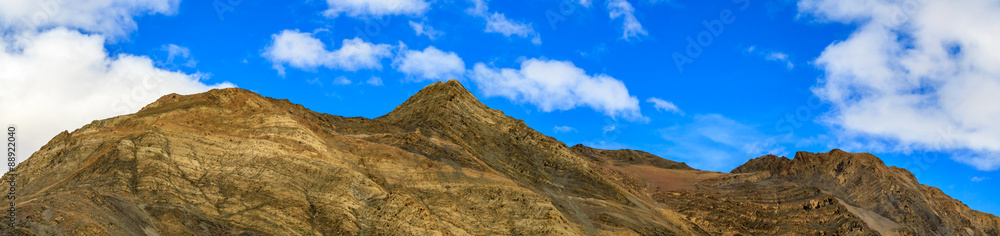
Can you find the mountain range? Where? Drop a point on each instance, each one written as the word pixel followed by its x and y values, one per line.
pixel 232 162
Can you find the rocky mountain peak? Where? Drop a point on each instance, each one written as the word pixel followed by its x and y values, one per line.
pixel 449 108
pixel 441 102
pixel 451 94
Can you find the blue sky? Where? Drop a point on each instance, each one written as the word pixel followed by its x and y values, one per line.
pixel 756 77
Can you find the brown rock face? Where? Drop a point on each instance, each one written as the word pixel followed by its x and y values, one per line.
pixel 893 194
pixel 230 162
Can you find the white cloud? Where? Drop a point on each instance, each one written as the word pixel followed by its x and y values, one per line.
pixel 430 64
pixel 375 81
pixel 664 106
pixel 563 129
pixel 557 85
pixel 774 56
pixel 777 56
pixel 631 28
pixel 780 57
pixel 609 128
pixel 423 29
pixel 479 8
pixel 979 179
pixel 175 52
pixel 112 18
pixel 57 75
pixel 918 74
pixel 315 81
pixel 714 142
pixel 498 23
pixel 341 80
pixel 375 8
pixel 62 79
pixel 303 51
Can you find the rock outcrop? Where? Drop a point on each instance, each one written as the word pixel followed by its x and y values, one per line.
pixel 893 194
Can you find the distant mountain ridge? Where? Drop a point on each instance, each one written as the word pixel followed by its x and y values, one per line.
pixel 232 162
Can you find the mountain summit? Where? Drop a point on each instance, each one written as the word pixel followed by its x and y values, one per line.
pixel 441 102
pixel 231 162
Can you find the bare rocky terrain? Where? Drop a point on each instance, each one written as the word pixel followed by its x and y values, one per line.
pixel 231 162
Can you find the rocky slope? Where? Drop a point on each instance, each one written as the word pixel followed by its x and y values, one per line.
pixel 230 162
pixel 901 204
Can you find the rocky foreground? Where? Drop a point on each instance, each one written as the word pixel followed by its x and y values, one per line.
pixel 230 162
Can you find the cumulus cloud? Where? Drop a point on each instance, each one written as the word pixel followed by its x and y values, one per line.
pixel 498 23
pixel 303 51
pixel 430 64
pixel 423 29
pixel 375 8
pixel 112 18
pixel 664 106
pixel 62 79
pixel 57 74
pixel 557 85
pixel 631 28
pixel 915 74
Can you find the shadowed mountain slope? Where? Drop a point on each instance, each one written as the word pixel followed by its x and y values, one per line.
pixel 231 162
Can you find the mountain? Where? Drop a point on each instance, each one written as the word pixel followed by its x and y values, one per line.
pixel 231 162
pixel 890 195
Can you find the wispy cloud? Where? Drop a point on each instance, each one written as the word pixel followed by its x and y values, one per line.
pixel 178 56
pixel 717 143
pixel 771 55
pixel 423 29
pixel 498 23
pixel 780 57
pixel 631 28
pixel 341 80
pixel 315 81
pixel 563 129
pixel 664 106
pixel 375 81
